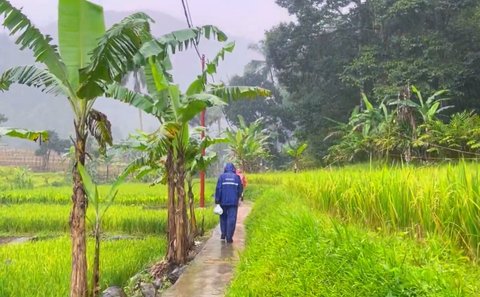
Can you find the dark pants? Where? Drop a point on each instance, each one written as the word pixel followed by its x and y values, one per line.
pixel 228 220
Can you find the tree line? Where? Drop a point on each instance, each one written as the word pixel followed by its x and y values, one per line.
pixel 321 65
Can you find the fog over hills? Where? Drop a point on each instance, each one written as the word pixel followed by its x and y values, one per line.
pixel 29 108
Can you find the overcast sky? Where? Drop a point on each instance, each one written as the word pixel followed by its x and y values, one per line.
pixel 247 18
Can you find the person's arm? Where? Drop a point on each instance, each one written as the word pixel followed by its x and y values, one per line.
pixel 218 191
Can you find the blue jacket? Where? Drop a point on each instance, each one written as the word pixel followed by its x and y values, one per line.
pixel 229 187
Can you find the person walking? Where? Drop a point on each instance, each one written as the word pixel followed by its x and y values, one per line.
pixel 227 193
pixel 243 178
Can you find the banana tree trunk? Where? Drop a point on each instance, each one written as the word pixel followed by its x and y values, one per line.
pixel 181 220
pixel 171 207
pixel 96 261
pixel 78 281
pixel 191 203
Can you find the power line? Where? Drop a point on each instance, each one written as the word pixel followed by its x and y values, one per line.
pixel 186 12
pixel 189 13
pixel 188 17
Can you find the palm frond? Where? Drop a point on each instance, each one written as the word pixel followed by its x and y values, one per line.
pixel 138 100
pixel 220 56
pixel 238 92
pixel 35 77
pixel 180 40
pixel 191 106
pixel 114 55
pixel 199 84
pixel 30 37
pixel 141 167
pixel 100 128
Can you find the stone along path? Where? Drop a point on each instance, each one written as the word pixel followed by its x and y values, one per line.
pixel 212 269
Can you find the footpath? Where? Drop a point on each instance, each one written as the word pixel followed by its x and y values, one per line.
pixel 212 269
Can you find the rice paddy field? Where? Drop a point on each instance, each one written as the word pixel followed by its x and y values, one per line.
pixel 134 233
pixel 364 231
pixel 360 230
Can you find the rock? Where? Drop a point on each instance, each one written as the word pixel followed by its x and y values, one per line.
pixel 175 274
pixel 114 292
pixel 158 283
pixel 148 290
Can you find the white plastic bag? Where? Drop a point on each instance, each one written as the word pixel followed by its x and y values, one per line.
pixel 218 209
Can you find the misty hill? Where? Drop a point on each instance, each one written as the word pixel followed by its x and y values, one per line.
pixel 29 108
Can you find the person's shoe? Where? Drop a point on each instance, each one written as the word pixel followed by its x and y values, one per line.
pixel 229 240
pixel 222 237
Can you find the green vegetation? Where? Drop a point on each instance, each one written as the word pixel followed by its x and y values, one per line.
pixel 129 194
pixel 410 131
pixel 361 231
pixel 42 268
pixel 23 219
pixel 20 178
pixel 420 201
pixel 319 65
pixel 295 249
pixel 248 145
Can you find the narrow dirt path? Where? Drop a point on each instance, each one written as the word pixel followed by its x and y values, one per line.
pixel 212 269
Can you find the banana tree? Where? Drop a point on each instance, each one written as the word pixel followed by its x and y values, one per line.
pixel 428 108
pixel 174 110
pixel 100 208
pixel 409 111
pixel 296 152
pixel 196 162
pixel 74 75
pixel 247 144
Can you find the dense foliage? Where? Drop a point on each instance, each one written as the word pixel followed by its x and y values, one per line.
pixel 337 50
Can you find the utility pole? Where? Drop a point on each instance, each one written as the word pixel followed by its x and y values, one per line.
pixel 202 173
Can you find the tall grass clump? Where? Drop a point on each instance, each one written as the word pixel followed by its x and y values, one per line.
pixel 442 201
pixel 294 250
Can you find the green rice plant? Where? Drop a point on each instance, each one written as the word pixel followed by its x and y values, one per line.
pixel 129 194
pixel 38 179
pixel 40 269
pixel 16 219
pixel 295 250
pixel 443 201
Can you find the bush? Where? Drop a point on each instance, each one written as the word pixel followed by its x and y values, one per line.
pixel 22 179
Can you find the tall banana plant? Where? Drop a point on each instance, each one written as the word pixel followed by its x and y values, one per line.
pixel 248 144
pixel 87 58
pixel 174 110
pixel 195 162
pixel 428 109
pixel 295 151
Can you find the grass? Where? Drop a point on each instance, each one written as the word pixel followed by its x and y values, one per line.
pixel 21 219
pixel 129 194
pixel 11 178
pixel 43 268
pixel 443 200
pixel 296 250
